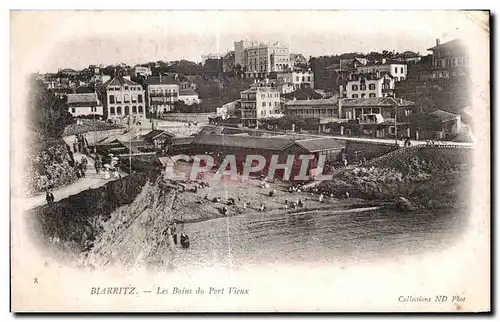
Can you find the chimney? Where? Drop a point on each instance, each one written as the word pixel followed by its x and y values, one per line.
pixel 438 42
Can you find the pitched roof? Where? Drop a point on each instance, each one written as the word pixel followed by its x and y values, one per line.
pixel 83 98
pixel 161 80
pixel 295 56
pixel 182 140
pixel 321 144
pixel 253 142
pixel 119 81
pixel 324 101
pixel 187 91
pixel 387 62
pixel 374 101
pixel 260 89
pixel 454 42
pixel 123 137
pixel 154 133
pixel 444 116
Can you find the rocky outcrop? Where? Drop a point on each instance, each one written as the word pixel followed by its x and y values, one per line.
pixel 412 179
pixel 49 164
pixel 79 218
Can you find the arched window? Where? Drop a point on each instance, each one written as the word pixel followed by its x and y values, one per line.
pixel 140 108
pixel 134 109
pixel 112 110
pixel 119 110
pixel 354 87
pixel 354 95
pixel 127 110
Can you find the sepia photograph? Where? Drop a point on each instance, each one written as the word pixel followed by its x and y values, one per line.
pixel 250 161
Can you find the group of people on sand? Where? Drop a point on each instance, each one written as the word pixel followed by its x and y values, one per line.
pixel 173 240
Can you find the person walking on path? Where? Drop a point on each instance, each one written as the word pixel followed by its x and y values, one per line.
pixel 97 166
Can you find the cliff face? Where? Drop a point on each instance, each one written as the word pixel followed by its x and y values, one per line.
pixel 49 163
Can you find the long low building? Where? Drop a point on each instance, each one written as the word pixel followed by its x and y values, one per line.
pixel 219 146
pixel 84 104
pixel 320 108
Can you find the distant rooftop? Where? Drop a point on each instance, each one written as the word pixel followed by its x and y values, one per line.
pixel 324 101
pixel 119 81
pixel 83 98
pixel 161 80
pixel 444 116
pixel 374 101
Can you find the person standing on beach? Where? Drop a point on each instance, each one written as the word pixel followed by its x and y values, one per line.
pixel 170 245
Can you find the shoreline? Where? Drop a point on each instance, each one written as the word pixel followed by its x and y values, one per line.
pixel 354 208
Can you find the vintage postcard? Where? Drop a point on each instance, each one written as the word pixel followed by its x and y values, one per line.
pixel 250 161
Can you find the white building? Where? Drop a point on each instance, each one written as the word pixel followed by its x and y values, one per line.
pixel 142 71
pixel 398 70
pixel 262 59
pixel 260 102
pixel 228 109
pixel 206 57
pixel 84 104
pixel 189 96
pixel 123 98
pixel 163 92
pixel 369 85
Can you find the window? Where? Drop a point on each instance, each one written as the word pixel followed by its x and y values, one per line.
pixel 354 87
pixel 127 110
pixel 303 78
pixel 126 88
pixel 362 87
pixel 395 70
pixel 73 110
pixel 308 78
pixel 134 109
pixel 134 98
pixel 297 78
pixel 371 95
pixel 363 95
pixel 263 104
pixel 126 98
pixel 371 86
pixel 140 98
pixel 118 98
pixel 140 109
pixel 119 110
pixel 402 78
pixel 111 99
pixel 112 110
pixel 354 95
pixel 263 96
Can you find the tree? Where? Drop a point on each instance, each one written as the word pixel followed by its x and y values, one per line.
pixel 48 114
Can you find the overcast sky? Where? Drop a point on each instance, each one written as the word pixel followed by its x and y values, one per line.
pixel 76 39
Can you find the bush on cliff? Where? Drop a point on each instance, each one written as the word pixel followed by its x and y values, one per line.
pixel 49 164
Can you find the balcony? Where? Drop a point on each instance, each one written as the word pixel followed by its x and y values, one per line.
pixel 371 119
pixel 163 94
